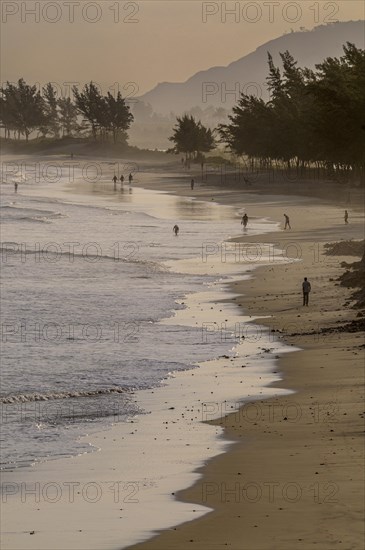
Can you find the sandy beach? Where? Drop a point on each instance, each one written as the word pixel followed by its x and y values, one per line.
pixel 289 472
pixel 182 270
pixel 294 478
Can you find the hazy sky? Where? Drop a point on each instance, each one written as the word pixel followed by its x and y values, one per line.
pixel 147 41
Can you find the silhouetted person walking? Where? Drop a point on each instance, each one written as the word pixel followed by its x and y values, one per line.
pixel 306 286
pixel 287 222
pixel 192 184
pixel 115 179
pixel 130 179
pixel 176 230
pixel 121 180
pixel 346 218
pixel 244 221
pixel 15 187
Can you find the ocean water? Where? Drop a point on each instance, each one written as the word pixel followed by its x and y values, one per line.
pixel 87 274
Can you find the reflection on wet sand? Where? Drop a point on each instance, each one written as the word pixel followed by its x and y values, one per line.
pixel 158 203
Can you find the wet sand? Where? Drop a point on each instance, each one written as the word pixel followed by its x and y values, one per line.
pixel 97 500
pixel 294 478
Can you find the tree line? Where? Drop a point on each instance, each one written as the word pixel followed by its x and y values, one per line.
pixel 313 118
pixel 25 109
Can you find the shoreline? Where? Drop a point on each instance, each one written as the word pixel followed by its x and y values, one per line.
pixel 231 434
pixel 60 473
pixel 295 477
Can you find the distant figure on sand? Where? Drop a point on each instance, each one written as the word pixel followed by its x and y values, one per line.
pixel 192 184
pixel 115 179
pixel 306 286
pixel 15 187
pixel 287 221
pixel 121 179
pixel 244 221
pixel 346 218
pixel 130 179
pixel 176 230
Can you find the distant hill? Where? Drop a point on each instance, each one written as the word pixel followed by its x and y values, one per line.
pixel 308 47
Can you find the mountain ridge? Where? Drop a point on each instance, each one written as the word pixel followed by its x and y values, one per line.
pixel 304 45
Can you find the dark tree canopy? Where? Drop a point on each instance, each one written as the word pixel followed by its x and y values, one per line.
pixel 116 115
pixel 311 117
pixel 191 137
pixel 51 122
pixel 24 109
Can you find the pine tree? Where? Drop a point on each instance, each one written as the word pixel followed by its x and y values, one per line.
pixel 89 102
pixel 23 108
pixel 117 116
pixel 68 114
pixel 191 137
pixel 51 123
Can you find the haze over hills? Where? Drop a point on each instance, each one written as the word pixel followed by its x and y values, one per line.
pixel 220 86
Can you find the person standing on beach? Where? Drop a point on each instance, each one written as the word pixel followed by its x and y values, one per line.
pixel 244 221
pixel 15 187
pixel 287 221
pixel 130 179
pixel 115 179
pixel 306 286
pixel 176 229
pixel 192 184
pixel 121 180
pixel 346 218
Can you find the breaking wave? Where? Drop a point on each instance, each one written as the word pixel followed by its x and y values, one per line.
pixel 31 397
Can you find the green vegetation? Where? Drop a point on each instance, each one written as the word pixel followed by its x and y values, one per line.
pixel 24 109
pixel 313 124
pixel 191 138
pixel 314 118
